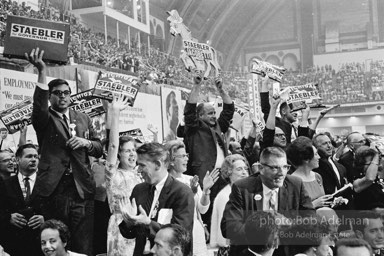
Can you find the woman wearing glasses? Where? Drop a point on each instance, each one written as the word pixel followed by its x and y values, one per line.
pixel 304 157
pixel 234 168
pixel 120 176
pixel 177 166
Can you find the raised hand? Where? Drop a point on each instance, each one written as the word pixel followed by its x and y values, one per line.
pixel 36 59
pixel 275 101
pixel 219 83
pixel 210 179
pixel 325 111
pixel 153 129
pixel 120 102
pixel 128 208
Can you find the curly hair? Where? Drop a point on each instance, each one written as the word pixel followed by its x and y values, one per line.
pixel 227 166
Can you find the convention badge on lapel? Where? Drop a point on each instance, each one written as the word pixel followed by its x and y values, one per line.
pixel 86 134
pixel 72 127
pixel 154 211
pixel 257 197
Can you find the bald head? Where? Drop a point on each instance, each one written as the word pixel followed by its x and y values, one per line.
pixel 207 113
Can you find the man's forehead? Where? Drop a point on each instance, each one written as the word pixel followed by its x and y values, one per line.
pixel 29 151
pixel 276 159
pixel 323 138
pixel 208 107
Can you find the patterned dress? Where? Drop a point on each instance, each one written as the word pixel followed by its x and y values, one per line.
pixel 119 183
pixel 199 244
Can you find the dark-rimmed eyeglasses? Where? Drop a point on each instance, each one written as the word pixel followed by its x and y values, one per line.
pixel 61 93
pixel 275 168
pixel 182 156
pixel 280 135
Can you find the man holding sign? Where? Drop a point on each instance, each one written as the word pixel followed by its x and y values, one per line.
pixel 66 139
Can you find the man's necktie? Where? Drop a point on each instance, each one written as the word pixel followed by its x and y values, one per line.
pixel 27 189
pixel 272 200
pixel 1 144
pixel 66 122
pixel 148 203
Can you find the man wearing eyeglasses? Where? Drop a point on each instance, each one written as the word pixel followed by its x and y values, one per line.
pixel 66 138
pixel 271 190
pixel 7 167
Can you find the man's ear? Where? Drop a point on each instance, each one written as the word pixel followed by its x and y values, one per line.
pixel 359 234
pixel 177 251
pixel 158 164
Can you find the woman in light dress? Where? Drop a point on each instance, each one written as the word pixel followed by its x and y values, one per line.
pixel 177 166
pixel 121 178
pixel 234 167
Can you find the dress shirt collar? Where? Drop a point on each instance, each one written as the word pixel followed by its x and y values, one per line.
pixel 31 177
pixel 66 113
pixel 159 186
pixel 267 190
pixel 254 253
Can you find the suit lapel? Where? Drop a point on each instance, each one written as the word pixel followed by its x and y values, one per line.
pixel 16 187
pixel 333 172
pixel 60 124
pixel 258 194
pixel 164 192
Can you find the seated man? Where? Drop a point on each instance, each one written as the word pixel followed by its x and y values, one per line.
pixel 172 240
pixel 353 247
pixel 160 199
pixel 369 227
pixel 261 230
pixel 271 190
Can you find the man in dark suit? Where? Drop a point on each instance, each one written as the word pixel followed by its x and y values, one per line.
pixel 272 190
pixel 159 200
pixel 20 209
pixel 333 173
pixel 204 133
pixel 66 138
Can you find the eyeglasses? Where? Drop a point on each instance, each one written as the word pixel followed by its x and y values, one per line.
pixel 61 93
pixel 182 156
pixel 280 135
pixel 275 168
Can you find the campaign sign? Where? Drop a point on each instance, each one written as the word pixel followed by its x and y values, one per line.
pixel 24 34
pixel 86 103
pixel 135 133
pixel 263 68
pixel 109 83
pixel 17 116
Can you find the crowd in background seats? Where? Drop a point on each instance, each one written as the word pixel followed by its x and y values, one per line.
pixel 354 82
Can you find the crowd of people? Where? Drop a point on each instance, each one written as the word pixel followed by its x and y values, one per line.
pixel 285 191
pixel 354 82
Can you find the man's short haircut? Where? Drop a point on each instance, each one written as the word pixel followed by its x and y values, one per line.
pixel 350 136
pixel 57 82
pixel 360 219
pixel 314 139
pixel 180 237
pixel 227 166
pixel 200 109
pixel 300 150
pixel 155 151
pixel 352 243
pixel 271 151
pixel 361 153
pixel 59 226
pixel 20 149
pixel 2 129
pixel 261 231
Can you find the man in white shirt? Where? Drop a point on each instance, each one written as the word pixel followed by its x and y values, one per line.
pixel 159 200
pixel 271 190
pixel 21 209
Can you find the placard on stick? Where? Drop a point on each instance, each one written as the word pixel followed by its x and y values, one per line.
pixel 17 116
pixel 109 83
pixel 86 103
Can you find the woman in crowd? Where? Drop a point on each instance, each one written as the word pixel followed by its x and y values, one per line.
pixel 177 166
pixel 368 179
pixel 304 157
pixel 54 238
pixel 234 167
pixel 121 178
